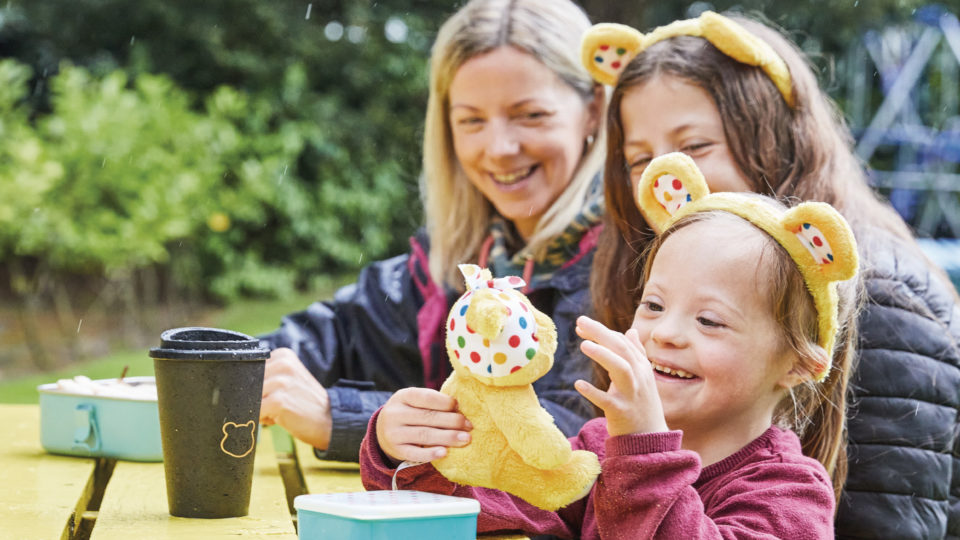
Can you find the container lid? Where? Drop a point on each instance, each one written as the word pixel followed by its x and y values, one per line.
pixel 130 389
pixel 378 505
pixel 199 343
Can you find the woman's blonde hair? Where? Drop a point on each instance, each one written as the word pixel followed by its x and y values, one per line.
pixel 815 411
pixel 457 214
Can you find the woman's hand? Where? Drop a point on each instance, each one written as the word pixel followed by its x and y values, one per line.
pixel 295 400
pixel 631 404
pixel 418 424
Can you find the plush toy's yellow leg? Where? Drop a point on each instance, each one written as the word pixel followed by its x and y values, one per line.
pixel 549 489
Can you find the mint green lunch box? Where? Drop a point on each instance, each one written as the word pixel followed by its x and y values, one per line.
pixel 113 426
pixel 385 515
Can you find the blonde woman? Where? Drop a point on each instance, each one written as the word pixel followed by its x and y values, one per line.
pixel 512 155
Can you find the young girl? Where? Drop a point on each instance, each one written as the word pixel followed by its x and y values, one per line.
pixel 768 128
pixel 736 320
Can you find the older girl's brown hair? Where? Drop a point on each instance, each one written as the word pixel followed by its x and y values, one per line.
pixel 815 411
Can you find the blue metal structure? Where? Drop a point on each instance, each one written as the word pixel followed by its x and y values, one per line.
pixel 913 138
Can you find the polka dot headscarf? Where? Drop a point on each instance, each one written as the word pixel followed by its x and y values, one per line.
pixel 509 351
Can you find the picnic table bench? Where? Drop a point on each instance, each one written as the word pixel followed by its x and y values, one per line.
pixel 45 496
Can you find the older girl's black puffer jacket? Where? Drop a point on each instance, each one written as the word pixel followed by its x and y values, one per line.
pixel 904 477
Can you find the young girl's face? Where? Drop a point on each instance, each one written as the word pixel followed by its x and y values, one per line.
pixel 668 114
pixel 707 324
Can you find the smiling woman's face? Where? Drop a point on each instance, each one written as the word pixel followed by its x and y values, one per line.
pixel 518 132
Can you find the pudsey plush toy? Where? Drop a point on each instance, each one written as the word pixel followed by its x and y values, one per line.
pixel 499 344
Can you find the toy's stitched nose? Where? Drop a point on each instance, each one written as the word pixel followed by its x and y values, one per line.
pixel 486 314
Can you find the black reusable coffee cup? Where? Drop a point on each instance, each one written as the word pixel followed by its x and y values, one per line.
pixel 209 385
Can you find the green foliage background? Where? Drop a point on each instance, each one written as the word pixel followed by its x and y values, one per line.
pixel 214 150
pixel 230 143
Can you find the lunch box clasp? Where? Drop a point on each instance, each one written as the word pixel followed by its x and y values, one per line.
pixel 86 435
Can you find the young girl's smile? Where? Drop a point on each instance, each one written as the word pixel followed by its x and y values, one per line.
pixel 707 325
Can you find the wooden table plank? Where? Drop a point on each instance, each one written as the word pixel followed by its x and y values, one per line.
pixel 327 476
pixel 135 505
pixel 40 491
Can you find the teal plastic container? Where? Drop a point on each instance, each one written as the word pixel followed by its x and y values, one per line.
pixel 78 424
pixel 386 515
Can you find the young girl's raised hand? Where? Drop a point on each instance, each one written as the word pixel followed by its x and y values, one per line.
pixel 418 424
pixel 631 404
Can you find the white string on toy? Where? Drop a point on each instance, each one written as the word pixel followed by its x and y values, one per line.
pixel 400 467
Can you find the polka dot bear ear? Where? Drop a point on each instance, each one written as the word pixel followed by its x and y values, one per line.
pixel 607 48
pixel 667 184
pixel 819 230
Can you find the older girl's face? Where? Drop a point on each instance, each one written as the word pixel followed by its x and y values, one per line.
pixel 518 132
pixel 668 114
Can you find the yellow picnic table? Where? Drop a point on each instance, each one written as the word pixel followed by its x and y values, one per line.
pixel 45 496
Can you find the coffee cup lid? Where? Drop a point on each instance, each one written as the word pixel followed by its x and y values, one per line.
pixel 199 343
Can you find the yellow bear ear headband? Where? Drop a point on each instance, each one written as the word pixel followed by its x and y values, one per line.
pixel 815 235
pixel 607 47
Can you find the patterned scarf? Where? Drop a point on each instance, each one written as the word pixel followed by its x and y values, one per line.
pixel 507 256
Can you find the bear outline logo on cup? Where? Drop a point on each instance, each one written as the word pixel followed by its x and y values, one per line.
pixel 226 436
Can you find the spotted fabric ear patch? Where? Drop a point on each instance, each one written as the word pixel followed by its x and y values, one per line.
pixel 815 242
pixel 670 193
pixel 610 59
pixel 607 49
pixel 516 344
pixel 668 184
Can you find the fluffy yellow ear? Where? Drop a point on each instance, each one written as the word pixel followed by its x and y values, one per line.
pixel 607 48
pixel 821 243
pixel 825 235
pixel 736 42
pixel 667 184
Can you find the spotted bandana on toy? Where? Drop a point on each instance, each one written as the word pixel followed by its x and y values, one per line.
pixel 815 235
pixel 516 343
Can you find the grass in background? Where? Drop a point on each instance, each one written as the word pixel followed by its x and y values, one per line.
pixel 251 317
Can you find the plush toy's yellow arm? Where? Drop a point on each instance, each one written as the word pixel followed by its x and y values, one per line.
pixel 528 428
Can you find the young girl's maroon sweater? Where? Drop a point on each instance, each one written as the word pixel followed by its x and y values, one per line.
pixel 651 488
